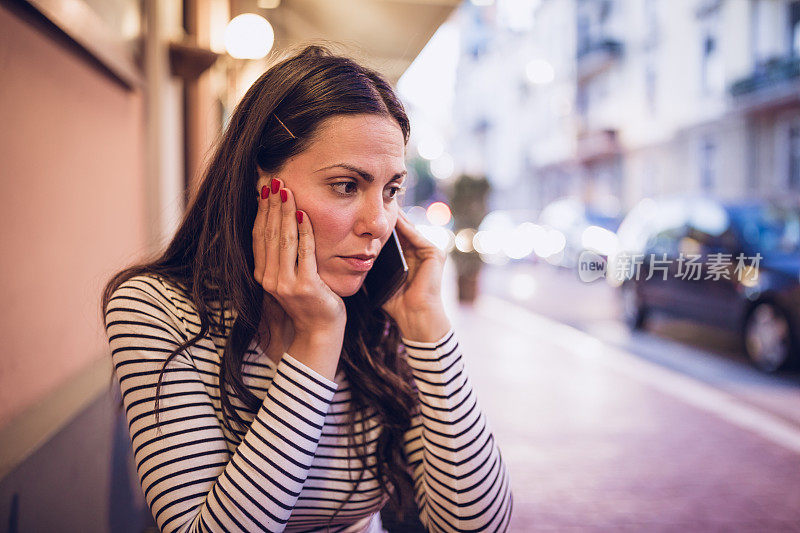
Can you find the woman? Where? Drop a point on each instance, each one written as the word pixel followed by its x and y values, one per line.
pixel 262 391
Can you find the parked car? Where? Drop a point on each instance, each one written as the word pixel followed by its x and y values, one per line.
pixel 748 256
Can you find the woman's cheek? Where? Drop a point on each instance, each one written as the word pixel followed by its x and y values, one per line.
pixel 395 216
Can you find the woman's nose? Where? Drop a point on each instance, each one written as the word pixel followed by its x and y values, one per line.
pixel 372 219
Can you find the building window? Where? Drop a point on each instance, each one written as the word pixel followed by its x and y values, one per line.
pixel 794 158
pixel 593 18
pixel 711 73
pixel 712 80
pixel 708 155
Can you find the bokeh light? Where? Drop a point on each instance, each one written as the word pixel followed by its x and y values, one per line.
pixel 430 147
pixel 438 213
pixel 249 36
pixel 442 238
pixel 548 242
pixel 600 240
pixel 417 215
pixel 464 240
pixel 443 166
pixel 487 242
pixel 539 72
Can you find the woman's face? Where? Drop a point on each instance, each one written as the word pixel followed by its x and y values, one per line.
pixel 347 182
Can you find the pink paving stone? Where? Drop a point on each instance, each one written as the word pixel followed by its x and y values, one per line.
pixel 590 449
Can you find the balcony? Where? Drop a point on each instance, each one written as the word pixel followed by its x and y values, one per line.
pixel 773 84
pixel 594 57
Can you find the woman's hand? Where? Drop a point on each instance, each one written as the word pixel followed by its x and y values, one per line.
pixel 417 306
pixel 286 267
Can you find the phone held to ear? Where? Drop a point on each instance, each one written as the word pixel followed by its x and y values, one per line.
pixel 387 274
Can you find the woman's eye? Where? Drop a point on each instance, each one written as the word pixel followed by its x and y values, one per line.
pixel 349 188
pixel 394 191
pixel 343 187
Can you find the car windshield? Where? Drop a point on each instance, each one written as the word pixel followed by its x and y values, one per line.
pixel 770 229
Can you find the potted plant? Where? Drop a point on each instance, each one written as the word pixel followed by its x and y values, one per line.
pixel 468 206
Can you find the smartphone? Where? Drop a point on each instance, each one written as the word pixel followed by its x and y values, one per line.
pixel 387 274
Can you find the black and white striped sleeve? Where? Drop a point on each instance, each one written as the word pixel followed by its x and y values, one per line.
pixel 460 480
pixel 190 479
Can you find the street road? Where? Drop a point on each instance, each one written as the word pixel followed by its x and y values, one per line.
pixel 665 430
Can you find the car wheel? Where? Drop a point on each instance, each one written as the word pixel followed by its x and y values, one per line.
pixel 767 337
pixel 633 312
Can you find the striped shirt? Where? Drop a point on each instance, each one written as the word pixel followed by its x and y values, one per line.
pixel 289 470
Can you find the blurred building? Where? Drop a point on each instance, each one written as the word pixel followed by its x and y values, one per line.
pixel 607 99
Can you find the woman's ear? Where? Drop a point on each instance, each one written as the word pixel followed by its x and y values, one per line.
pixel 263 179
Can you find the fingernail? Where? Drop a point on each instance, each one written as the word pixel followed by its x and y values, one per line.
pixel 275 185
pixel 299 217
pixel 284 195
pixel 264 192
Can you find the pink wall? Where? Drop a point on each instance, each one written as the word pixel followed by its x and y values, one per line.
pixel 71 206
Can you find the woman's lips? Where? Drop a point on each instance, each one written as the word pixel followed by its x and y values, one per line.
pixel 360 265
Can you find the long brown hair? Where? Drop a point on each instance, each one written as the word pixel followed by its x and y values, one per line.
pixel 211 254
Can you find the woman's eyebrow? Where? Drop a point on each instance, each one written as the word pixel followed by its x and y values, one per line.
pixel 366 176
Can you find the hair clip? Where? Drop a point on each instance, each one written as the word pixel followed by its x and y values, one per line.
pixel 284 126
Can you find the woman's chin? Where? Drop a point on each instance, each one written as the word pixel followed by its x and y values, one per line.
pixel 344 286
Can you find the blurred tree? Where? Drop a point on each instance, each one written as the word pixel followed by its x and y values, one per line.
pixel 468 205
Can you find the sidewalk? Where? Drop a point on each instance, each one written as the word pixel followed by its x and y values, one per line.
pixel 592 448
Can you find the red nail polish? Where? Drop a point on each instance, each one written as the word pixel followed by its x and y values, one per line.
pixel 264 192
pixel 284 195
pixel 275 185
pixel 299 217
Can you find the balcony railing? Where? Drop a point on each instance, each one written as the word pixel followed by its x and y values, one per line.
pixel 771 73
pixel 610 47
